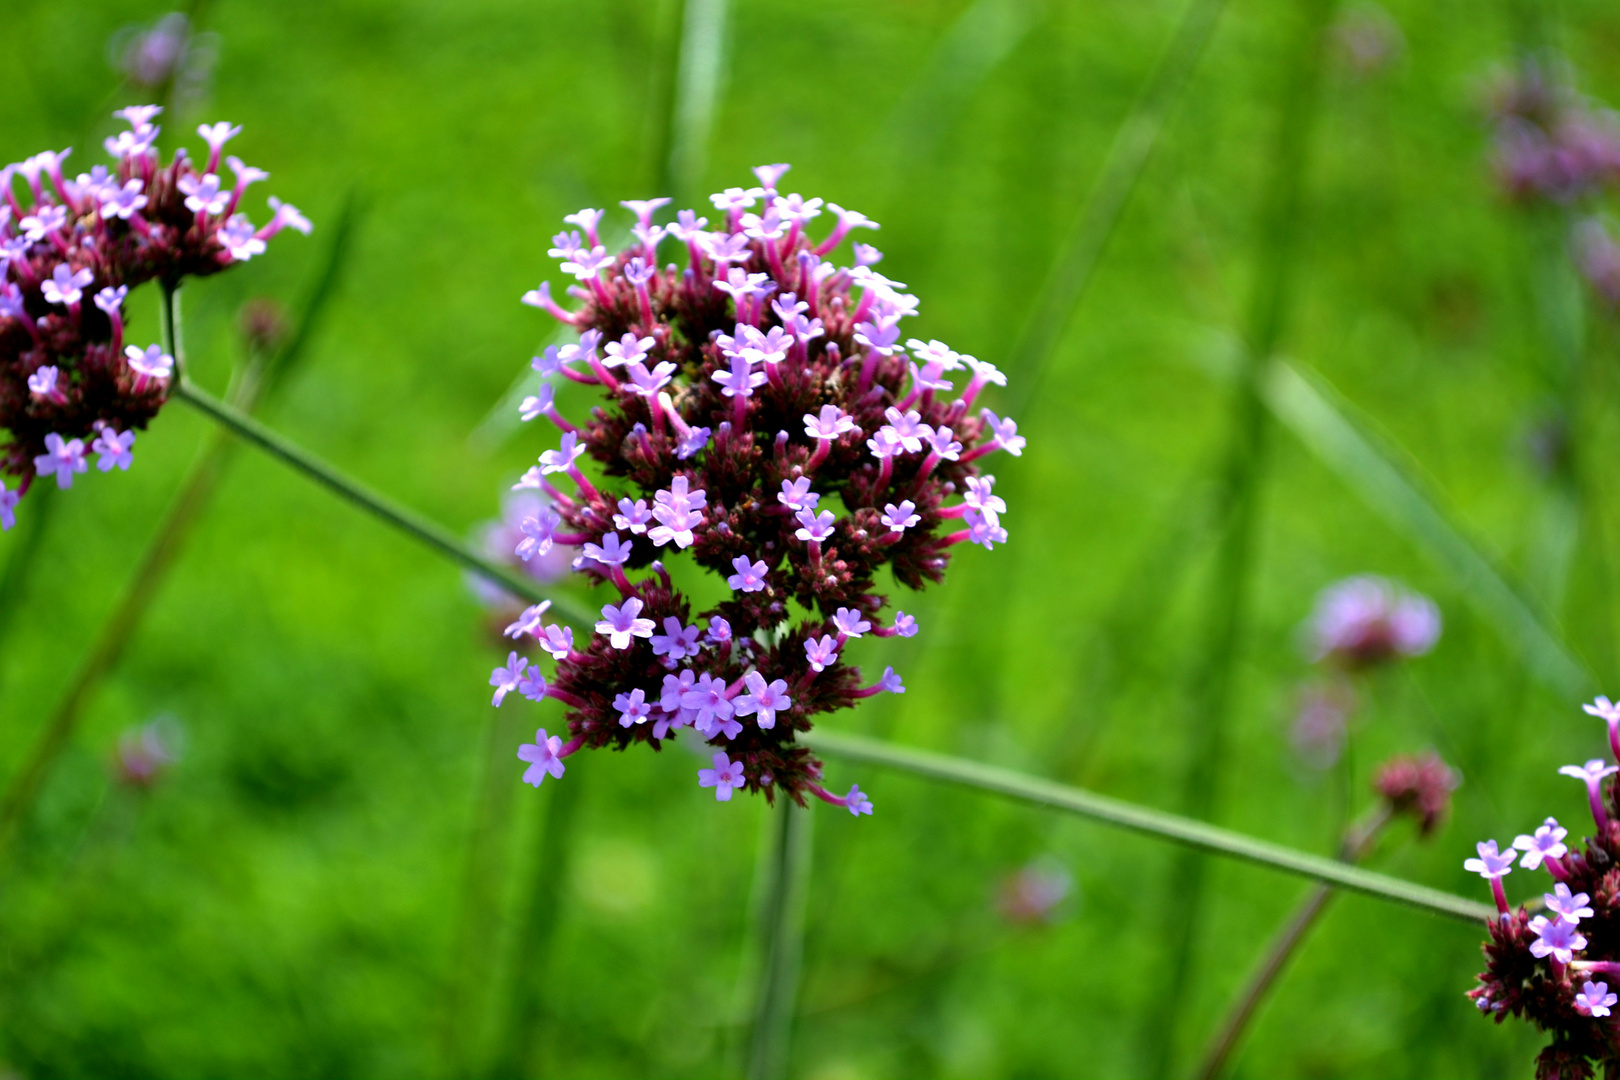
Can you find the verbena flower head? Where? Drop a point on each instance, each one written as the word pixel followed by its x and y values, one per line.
pixel 1418 786
pixel 1549 142
pixel 147 752
pixel 1364 621
pixel 1554 969
pixel 71 249
pixel 764 420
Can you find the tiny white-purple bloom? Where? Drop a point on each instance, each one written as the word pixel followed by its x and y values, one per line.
pixel 62 457
pixel 533 684
pixel 648 383
pixel 983 530
pixel 726 776
pixel 902 517
pixel 1592 772
pixel 557 640
pixel 506 679
pixel 1572 907
pixel 741 379
pixel 1595 999
pixel 562 458
pixel 689 444
pixel 538 532
pixel 856 801
pixel 750 577
pixel 65 285
pixel 633 516
pixel 537 404
pixel 891 681
pixel 821 652
pixel 1547 842
pixel 763 699
pixel 529 621
pixel 42 383
pixel 1490 863
pixel 122 202
pixel 904 624
pixel 217 135
pixel 111 299
pixel 708 702
pixel 719 629
pixel 815 527
pixel 850 623
pixel 203 194
pixel 627 350
pixel 8 507
pixel 1556 938
pixel 633 707
pixel 622 623
pixel 677 641
pixel 1006 432
pixel 830 424
pixel 151 362
pixel 796 494
pixel 241 241
pixel 285 215
pixel 542 754
pixel 112 449
pixel 610 552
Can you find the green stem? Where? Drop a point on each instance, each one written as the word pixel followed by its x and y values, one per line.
pixel 782 920
pixel 518 1051
pixel 378 505
pixel 1358 842
pixel 1127 156
pixel 698 75
pixel 1212 685
pixel 1195 835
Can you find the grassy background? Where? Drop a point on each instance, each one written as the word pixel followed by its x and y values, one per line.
pixel 330 880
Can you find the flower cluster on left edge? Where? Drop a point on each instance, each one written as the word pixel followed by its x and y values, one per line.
pixel 70 252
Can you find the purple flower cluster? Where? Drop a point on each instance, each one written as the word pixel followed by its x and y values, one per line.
pixel 763 414
pixel 70 251
pixel 1549 143
pixel 1552 969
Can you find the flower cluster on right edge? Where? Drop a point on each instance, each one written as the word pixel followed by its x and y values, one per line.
pixel 762 413
pixel 1556 968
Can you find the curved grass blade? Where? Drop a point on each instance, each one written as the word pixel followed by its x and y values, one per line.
pixel 1157 823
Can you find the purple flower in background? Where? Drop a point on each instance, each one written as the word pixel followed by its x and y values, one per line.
pixel 621 623
pixel 1547 842
pixel 62 458
pixel 1367 620
pixel 506 679
pixel 112 449
pixel 1595 999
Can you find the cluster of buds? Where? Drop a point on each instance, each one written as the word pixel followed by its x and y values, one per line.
pixel 1358 624
pixel 1555 968
pixel 763 416
pixel 70 252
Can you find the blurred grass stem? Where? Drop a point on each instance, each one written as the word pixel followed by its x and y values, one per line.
pixel 1194 835
pixel 1082 250
pixel 1358 843
pixel 782 920
pixel 1212 686
pixel 380 506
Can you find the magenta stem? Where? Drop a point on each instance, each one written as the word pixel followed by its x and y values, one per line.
pixel 1499 895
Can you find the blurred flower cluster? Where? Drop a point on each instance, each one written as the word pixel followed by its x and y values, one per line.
pixel 70 252
pixel 762 413
pixel 1555 969
pixel 1358 624
pixel 1553 146
pixel 168 59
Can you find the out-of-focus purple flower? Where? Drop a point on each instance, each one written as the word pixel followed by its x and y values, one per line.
pixel 1034 894
pixel 1595 999
pixel 1367 620
pixel 1597 256
pixel 146 752
pixel 1418 786
pixel 1367 39
pixel 544 756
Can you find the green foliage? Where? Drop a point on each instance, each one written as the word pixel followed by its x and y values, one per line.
pixel 333 879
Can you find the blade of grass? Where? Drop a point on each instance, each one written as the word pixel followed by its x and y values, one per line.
pixel 782 920
pixel 698 79
pixel 380 506
pixel 1389 482
pixel 259 377
pixel 517 1053
pixel 1082 250
pixel 1211 688
pixel 1191 834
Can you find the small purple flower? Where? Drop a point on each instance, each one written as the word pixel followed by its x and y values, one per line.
pixel 110 300
pixel 832 423
pixel 648 383
pixel 904 625
pixel 675 688
pixel 796 494
pixel 1367 620
pixel 112 449
pixel 42 222
pixel 1546 843
pixel 750 577
pixel 538 533
pixel 856 801
pixel 65 285
pixel 1593 773
pixel 506 679
pixel 726 776
pixel 741 379
pixel 42 383
pixel 633 707
pixel 891 682
pixel 64 458
pixel 149 363
pixel 632 516
pixel 544 756
pixel 690 443
pixel 1005 431
pixel 609 552
pixel 1490 864
pixel 621 624
pixel 1595 999
pixel 815 527
pixel 979 497
pixel 850 623
pixel 764 700
pixel 902 517
pixel 719 630
pixel 627 350
pixel 122 202
pixel 1562 903
pixel 879 337
pixel 908 428
pixel 677 641
pixel 203 194
pixel 562 459
pixel 8 507
pixel 538 404
pixel 529 622
pixel 983 530
pixel 533 684
pixel 821 652
pixel 710 707
pixel 1556 938
pixel 557 640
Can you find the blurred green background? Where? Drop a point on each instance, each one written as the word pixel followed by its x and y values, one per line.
pixel 333 879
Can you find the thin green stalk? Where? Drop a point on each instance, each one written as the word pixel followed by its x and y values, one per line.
pixel 1358 842
pixel 1195 835
pixel 782 920
pixel 378 505
pixel 698 78
pixel 1212 685
pixel 518 1050
pixel 1077 259
pixel 258 377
